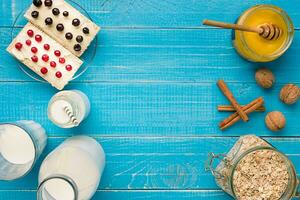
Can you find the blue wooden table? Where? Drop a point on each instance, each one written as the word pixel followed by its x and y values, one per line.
pixel 153 92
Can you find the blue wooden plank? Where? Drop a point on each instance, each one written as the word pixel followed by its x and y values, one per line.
pixel 157 13
pixel 168 163
pixel 149 108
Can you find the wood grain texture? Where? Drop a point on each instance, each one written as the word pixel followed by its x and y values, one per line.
pixel 153 95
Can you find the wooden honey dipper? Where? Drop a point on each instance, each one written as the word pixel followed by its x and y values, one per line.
pixel 266 30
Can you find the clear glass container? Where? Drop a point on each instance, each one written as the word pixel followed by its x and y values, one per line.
pixel 68 108
pixel 228 164
pixel 255 48
pixel 72 171
pixel 21 144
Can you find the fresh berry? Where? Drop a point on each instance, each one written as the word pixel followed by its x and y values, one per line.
pixel 34 58
pixel 48 3
pixel 76 22
pixel 34 49
pixel 44 70
pixel 48 21
pixel 45 58
pixel 57 53
pixel 60 27
pixel 35 14
pixel 69 36
pixel 77 47
pixel 28 42
pixel 68 67
pixel 66 13
pixel 18 45
pixel 30 33
pixel 61 60
pixel 79 38
pixel 46 47
pixel 86 30
pixel 58 74
pixel 37 3
pixel 53 64
pixel 38 38
pixel 55 11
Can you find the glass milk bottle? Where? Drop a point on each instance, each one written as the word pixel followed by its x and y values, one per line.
pixel 21 144
pixel 68 108
pixel 72 171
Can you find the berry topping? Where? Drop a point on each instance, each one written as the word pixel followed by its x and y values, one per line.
pixel 44 70
pixel 57 53
pixel 68 67
pixel 18 45
pixel 48 3
pixel 53 64
pixel 66 13
pixel 38 38
pixel 48 21
pixel 34 58
pixel 46 46
pixel 30 33
pixel 77 47
pixel 37 3
pixel 58 74
pixel 28 42
pixel 76 22
pixel 69 36
pixel 45 58
pixel 61 60
pixel 34 49
pixel 55 11
pixel 86 30
pixel 79 38
pixel 35 14
pixel 60 27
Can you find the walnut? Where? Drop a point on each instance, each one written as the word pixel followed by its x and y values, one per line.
pixel 275 121
pixel 290 93
pixel 264 77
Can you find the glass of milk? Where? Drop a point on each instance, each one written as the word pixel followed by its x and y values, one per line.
pixel 68 108
pixel 21 144
pixel 72 171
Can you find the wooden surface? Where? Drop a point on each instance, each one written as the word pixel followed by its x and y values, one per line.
pixel 154 97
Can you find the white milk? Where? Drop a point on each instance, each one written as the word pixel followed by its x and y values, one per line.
pixel 80 159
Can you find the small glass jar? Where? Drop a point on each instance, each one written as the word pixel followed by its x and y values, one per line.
pixel 72 171
pixel 21 144
pixel 246 145
pixel 68 108
pixel 252 46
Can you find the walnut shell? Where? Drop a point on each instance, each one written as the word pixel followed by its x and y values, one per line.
pixel 275 121
pixel 264 77
pixel 290 93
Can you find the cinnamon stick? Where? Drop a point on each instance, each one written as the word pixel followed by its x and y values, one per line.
pixel 230 108
pixel 233 118
pixel 223 87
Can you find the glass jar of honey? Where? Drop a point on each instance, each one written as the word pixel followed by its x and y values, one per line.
pixel 255 48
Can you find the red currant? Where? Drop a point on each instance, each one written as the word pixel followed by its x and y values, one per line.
pixel 18 45
pixel 62 60
pixel 68 67
pixel 53 64
pixel 30 33
pixel 38 38
pixel 57 53
pixel 28 42
pixel 58 74
pixel 34 49
pixel 44 70
pixel 45 57
pixel 46 46
pixel 34 58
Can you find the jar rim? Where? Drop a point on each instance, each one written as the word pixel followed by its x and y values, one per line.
pixel 290 168
pixel 287 20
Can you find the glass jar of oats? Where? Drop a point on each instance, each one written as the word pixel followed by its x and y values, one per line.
pixel 253 169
